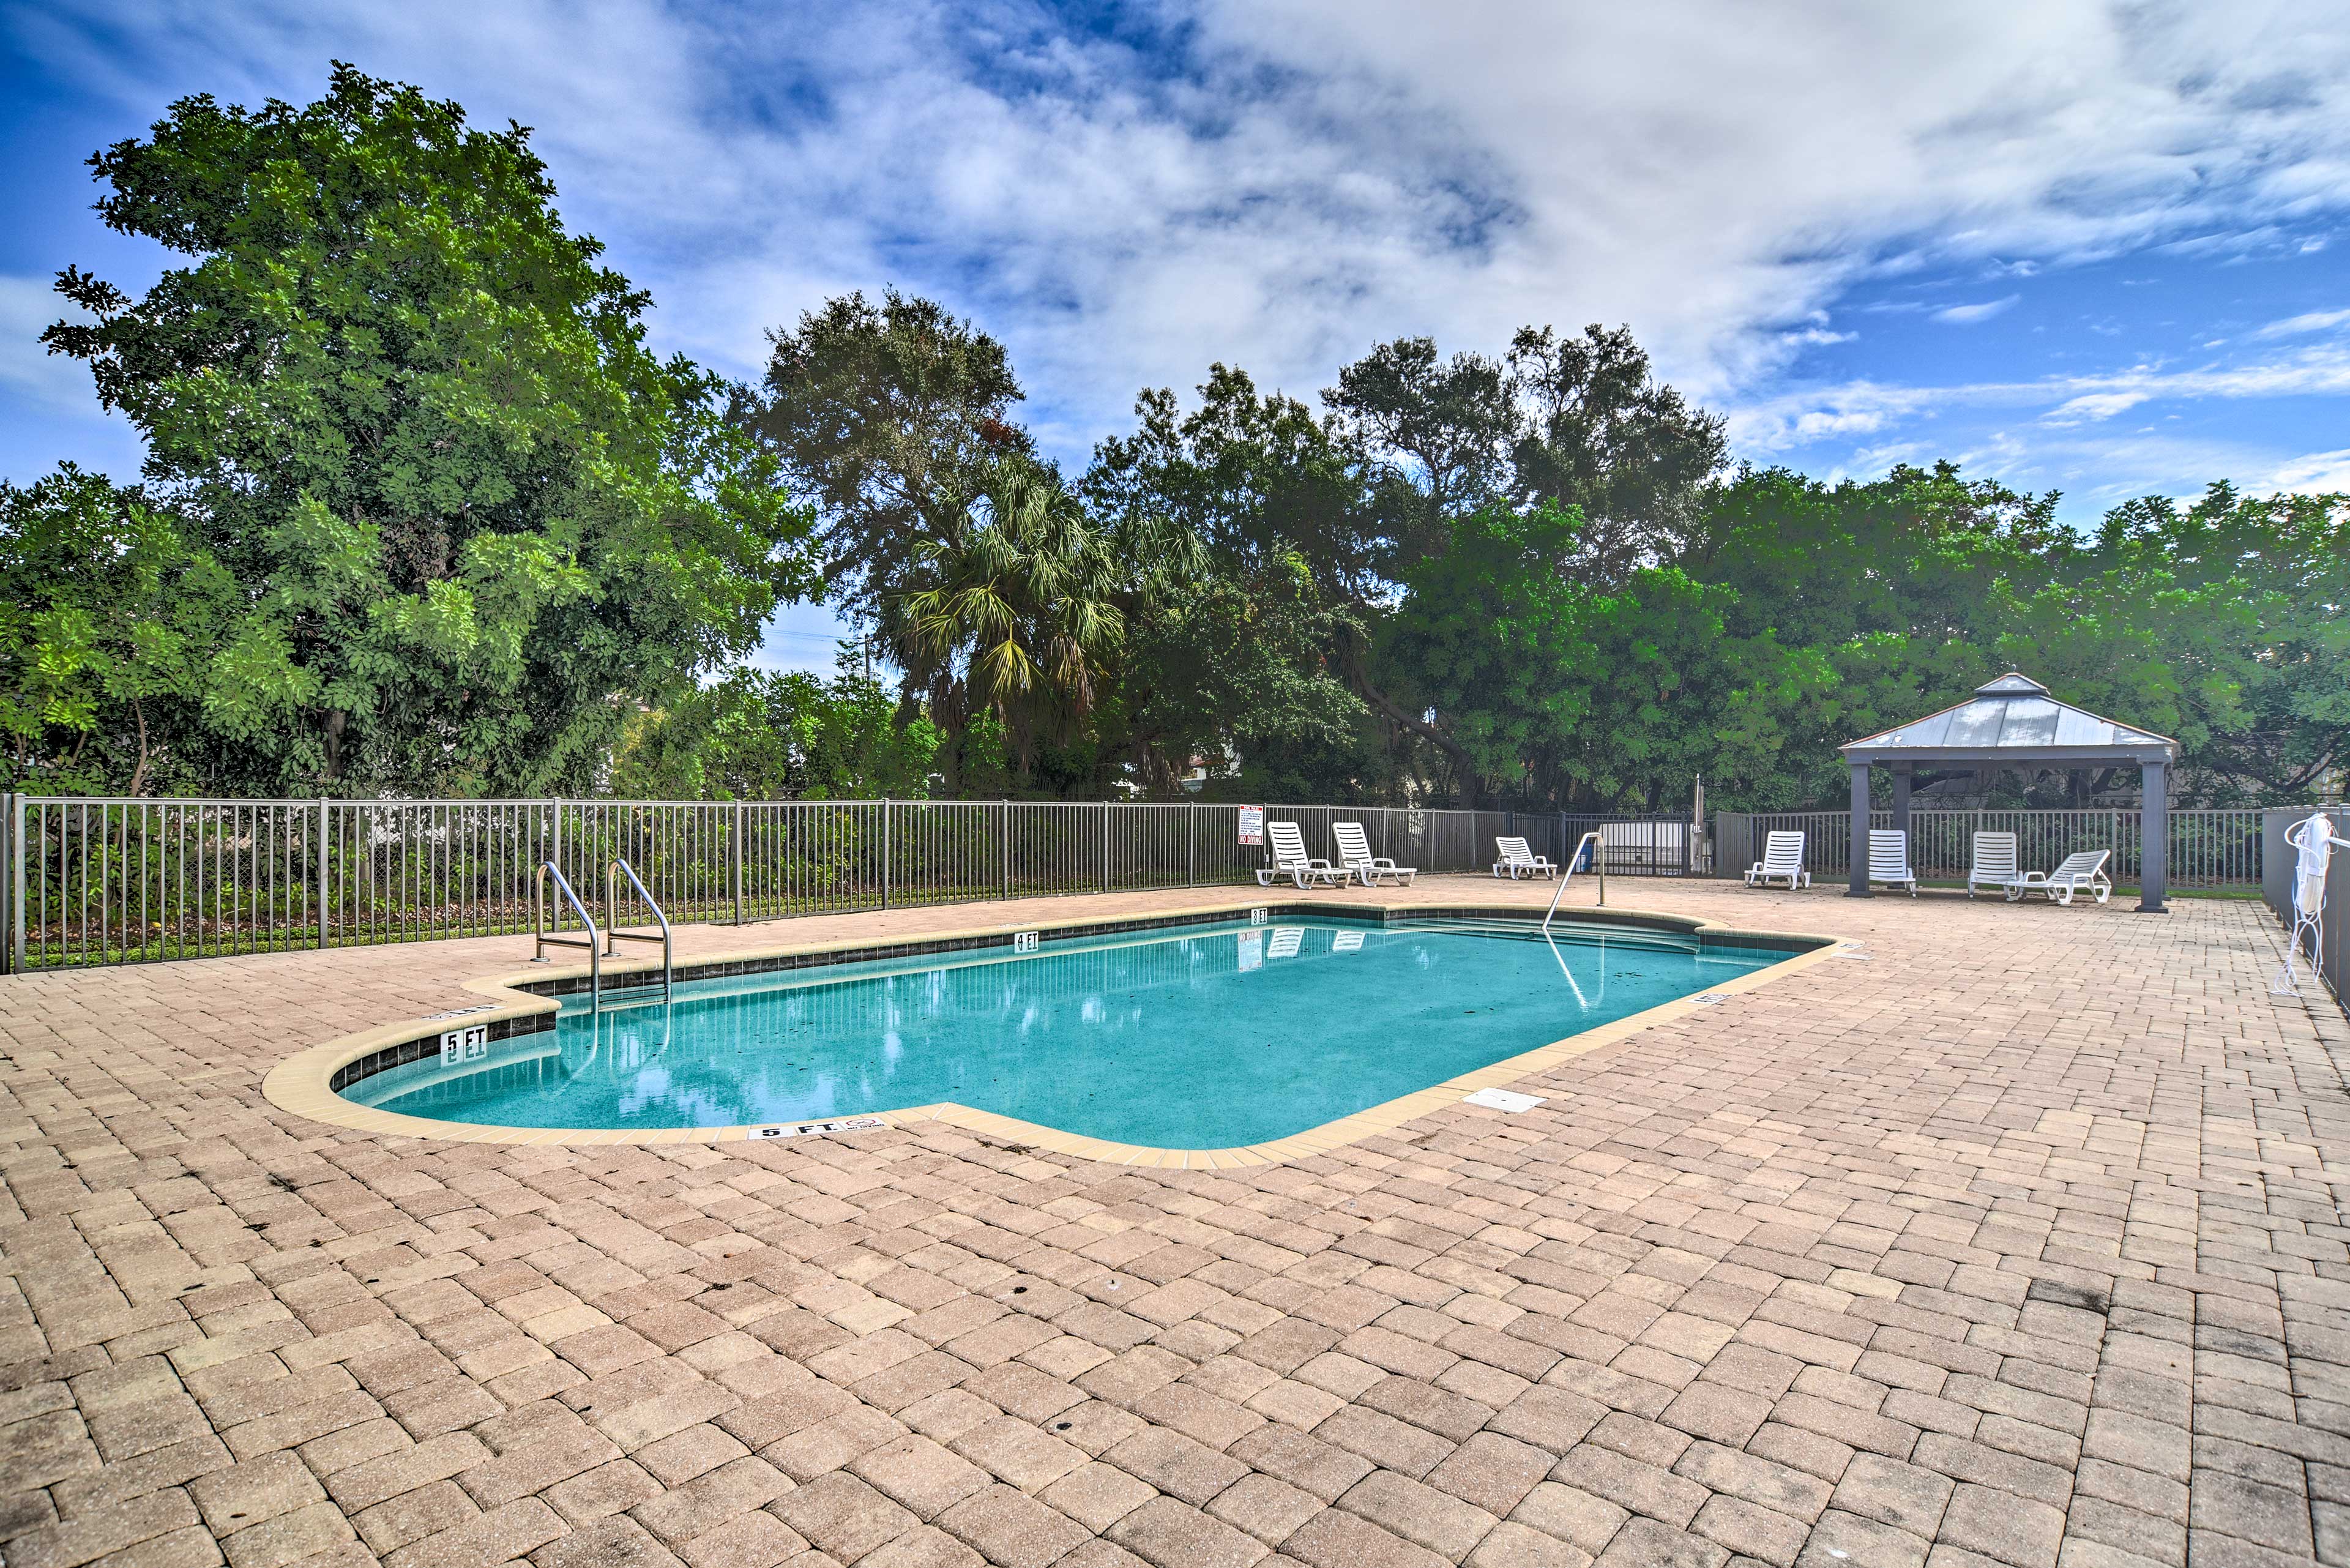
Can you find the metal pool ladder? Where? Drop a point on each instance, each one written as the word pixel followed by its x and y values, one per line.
pixel 541 935
pixel 1566 873
pixel 612 932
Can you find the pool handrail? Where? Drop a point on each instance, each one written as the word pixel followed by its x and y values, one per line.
pixel 542 941
pixel 612 932
pixel 1598 847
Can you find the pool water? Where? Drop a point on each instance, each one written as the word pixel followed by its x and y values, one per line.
pixel 1188 1037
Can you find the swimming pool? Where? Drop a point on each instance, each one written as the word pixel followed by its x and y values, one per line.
pixel 1204 1036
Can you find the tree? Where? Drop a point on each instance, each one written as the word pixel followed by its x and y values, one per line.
pixel 109 624
pixel 777 735
pixel 1438 432
pixel 2245 597
pixel 1257 649
pixel 1556 692
pixel 469 516
pixel 1602 434
pixel 1013 613
pixel 1238 663
pixel 889 420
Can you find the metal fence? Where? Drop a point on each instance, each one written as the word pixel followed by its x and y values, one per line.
pixel 101 881
pixel 2211 848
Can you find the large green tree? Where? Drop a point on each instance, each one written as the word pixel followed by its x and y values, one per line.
pixel 470 516
pixel 1367 500
pixel 109 624
pixel 1599 432
pixel 755 734
pixel 892 419
pixel 1248 651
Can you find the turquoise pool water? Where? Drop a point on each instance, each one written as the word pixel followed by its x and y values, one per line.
pixel 1190 1037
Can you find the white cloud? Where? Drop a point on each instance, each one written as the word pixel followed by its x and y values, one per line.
pixel 2301 326
pixel 2092 406
pixel 1969 314
pixel 1795 418
pixel 1282 182
pixel 2314 473
pixel 43 380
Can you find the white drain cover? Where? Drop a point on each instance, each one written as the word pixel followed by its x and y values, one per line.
pixel 1504 1100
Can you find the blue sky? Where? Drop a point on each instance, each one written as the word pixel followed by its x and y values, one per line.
pixel 2078 246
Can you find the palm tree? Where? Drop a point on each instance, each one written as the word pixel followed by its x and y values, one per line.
pixel 1018 612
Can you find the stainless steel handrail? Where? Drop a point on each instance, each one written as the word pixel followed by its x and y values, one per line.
pixel 1566 872
pixel 539 935
pixel 612 932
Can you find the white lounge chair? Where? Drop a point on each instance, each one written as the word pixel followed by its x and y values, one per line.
pixel 1517 860
pixel 1994 863
pixel 1783 856
pixel 1888 859
pixel 2082 873
pixel 1354 856
pixel 1291 861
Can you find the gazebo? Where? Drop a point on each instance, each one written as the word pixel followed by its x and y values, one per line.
pixel 2012 723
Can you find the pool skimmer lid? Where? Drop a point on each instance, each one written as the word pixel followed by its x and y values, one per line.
pixel 1504 1100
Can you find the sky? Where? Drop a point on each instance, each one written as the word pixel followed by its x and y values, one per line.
pixel 2087 247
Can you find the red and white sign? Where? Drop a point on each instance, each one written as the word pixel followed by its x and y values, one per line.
pixel 1252 825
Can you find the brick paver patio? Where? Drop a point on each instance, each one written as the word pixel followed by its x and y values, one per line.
pixel 2016 1243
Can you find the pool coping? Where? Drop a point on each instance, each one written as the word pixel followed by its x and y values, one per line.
pixel 304 1083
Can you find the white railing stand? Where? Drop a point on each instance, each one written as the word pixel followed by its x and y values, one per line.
pixel 2314 841
pixel 1599 845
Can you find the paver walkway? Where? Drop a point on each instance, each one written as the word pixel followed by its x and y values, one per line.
pixel 2017 1243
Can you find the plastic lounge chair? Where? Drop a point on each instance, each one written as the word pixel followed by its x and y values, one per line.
pixel 1516 860
pixel 1783 856
pixel 1290 861
pixel 1888 859
pixel 2082 873
pixel 1994 863
pixel 1354 856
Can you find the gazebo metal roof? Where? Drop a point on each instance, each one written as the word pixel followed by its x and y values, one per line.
pixel 2014 721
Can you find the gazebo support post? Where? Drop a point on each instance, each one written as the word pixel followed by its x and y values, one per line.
pixel 1901 776
pixel 1858 887
pixel 2153 838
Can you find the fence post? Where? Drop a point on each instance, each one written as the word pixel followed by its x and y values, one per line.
pixel 1105 847
pixel 321 872
pixel 16 954
pixel 1191 845
pixel 885 851
pixel 553 844
pixel 1004 820
pixel 737 866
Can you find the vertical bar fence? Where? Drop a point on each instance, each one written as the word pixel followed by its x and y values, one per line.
pixel 111 880
pixel 2212 849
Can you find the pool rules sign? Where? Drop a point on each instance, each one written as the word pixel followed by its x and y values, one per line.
pixel 1252 825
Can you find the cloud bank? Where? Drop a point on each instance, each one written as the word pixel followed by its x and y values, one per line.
pixel 1282 182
